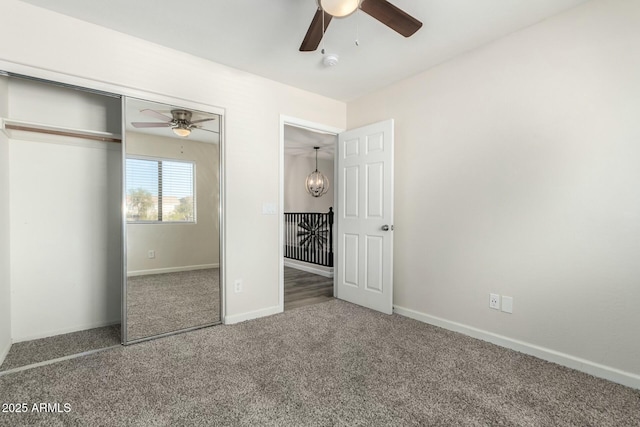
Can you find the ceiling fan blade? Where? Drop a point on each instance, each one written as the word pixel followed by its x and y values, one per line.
pixel 150 125
pixel 156 114
pixel 391 16
pixel 203 120
pixel 314 33
pixel 205 129
pixel 208 130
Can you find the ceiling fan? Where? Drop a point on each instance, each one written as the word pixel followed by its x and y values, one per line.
pixel 382 10
pixel 180 121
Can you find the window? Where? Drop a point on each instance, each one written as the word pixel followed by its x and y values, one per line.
pixel 160 190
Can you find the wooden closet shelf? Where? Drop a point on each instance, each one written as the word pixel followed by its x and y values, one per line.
pixel 16 125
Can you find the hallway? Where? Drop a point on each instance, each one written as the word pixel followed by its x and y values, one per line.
pixel 302 288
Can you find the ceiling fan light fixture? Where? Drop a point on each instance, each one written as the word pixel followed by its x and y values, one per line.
pixel 339 8
pixel 181 130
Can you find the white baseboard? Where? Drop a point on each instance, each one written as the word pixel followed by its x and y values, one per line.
pixel 309 268
pixel 243 317
pixel 171 269
pixel 597 370
pixel 52 333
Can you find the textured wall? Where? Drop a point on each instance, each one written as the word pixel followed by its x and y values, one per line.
pixel 519 175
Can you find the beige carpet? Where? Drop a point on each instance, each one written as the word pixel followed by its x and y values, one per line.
pixel 161 303
pixel 322 365
pixel 44 349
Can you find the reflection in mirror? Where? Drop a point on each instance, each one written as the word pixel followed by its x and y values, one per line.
pixel 172 224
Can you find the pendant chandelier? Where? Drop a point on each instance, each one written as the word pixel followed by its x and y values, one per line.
pixel 316 183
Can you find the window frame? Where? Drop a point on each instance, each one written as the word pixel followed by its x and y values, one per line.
pixel 160 160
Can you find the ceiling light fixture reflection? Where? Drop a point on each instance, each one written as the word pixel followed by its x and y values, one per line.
pixel 181 129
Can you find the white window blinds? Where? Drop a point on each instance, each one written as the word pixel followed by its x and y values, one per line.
pixel 160 190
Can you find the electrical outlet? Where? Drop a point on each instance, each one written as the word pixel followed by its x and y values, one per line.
pixel 237 286
pixel 507 304
pixel 494 301
pixel 152 254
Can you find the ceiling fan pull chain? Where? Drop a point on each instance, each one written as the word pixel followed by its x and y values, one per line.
pixel 322 51
pixel 358 27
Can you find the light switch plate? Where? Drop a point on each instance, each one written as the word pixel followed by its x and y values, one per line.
pixel 507 304
pixel 269 209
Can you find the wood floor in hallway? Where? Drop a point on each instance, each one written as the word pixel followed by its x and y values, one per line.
pixel 302 288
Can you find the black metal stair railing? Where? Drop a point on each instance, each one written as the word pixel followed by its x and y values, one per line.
pixel 308 237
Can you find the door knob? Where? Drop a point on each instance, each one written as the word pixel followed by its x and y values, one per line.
pixel 387 228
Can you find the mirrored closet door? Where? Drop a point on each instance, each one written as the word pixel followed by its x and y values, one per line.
pixel 172 224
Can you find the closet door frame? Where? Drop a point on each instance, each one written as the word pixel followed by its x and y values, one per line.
pixel 221 210
pixel 10 69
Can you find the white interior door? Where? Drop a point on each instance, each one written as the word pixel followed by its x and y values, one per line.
pixel 364 273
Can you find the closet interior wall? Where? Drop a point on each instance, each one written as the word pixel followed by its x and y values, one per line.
pixel 64 213
pixel 5 290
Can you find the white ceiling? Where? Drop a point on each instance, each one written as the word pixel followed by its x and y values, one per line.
pixel 300 142
pixel 263 36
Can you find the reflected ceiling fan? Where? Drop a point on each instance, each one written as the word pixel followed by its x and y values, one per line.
pixel 180 121
pixel 391 16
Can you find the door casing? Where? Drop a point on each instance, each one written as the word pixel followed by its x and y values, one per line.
pixel 312 126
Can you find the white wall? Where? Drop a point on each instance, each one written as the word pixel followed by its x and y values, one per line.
pixel 106 59
pixel 65 197
pixel 296 198
pixel 520 176
pixel 178 246
pixel 5 289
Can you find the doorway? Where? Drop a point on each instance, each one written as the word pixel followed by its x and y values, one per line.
pixel 363 202
pixel 308 228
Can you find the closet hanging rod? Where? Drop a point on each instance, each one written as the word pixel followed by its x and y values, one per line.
pixel 54 130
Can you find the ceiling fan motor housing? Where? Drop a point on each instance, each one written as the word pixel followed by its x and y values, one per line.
pixel 381 10
pixel 181 115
